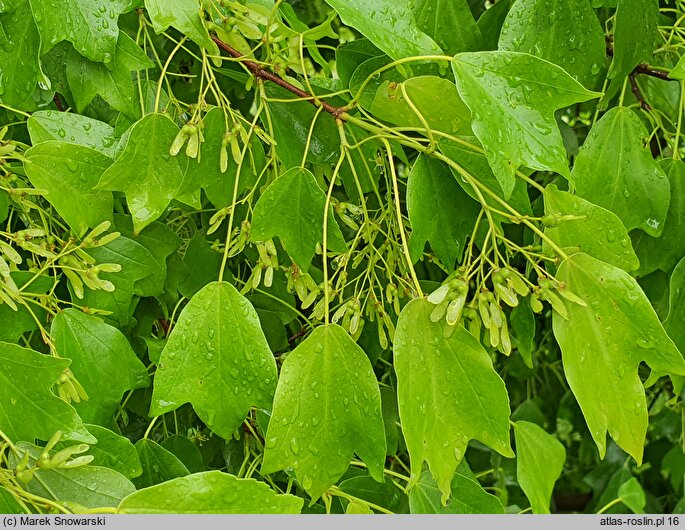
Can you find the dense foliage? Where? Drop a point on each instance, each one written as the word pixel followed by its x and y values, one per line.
pixel 351 256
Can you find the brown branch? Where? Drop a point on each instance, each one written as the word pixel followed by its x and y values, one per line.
pixel 260 73
pixel 638 93
pixel 58 102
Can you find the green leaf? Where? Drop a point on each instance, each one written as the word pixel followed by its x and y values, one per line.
pixel 101 359
pixel 88 486
pixel 439 19
pixel 8 503
pixel 327 407
pixel 665 251
pixel 539 462
pixel 635 35
pixel 513 97
pixel 678 71
pixel 389 24
pixel 19 56
pixel 522 323
pixel 186 451
pixel 590 229
pixel 436 99
pixel 16 323
pixel 448 394
pixel 66 171
pixel 90 25
pixel 292 122
pixel 631 185
pixel 113 451
pixel 439 211
pixel 468 496
pixel 216 358
pixel 385 494
pixel 632 495
pixel 160 241
pixel 676 307
pixel 205 171
pixel 203 264
pixel 184 15
pixel 602 345
pixel 26 377
pixel 45 125
pixel 145 172
pixel 564 32
pixel 136 264
pixel 4 207
pixel 210 492
pixel 113 82
pixel 158 464
pixel 292 208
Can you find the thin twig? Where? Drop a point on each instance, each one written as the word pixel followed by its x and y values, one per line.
pixel 638 93
pixel 261 73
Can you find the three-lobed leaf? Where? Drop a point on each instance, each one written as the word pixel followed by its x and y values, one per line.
pixel 512 97
pixel 217 359
pixel 292 208
pixel 26 378
pixel 145 172
pixel 615 170
pixel 448 394
pixel 327 407
pixel 602 344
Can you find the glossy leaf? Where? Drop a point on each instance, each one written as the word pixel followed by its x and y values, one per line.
pixel 588 228
pixel 145 172
pixel 448 394
pixel 113 82
pixel 66 171
pixel 467 496
pixel 8 503
pixel 186 451
pixel 327 407
pixel 210 492
pixel 88 486
pixel 631 185
pixel 436 99
pixel 449 23
pixel 136 264
pixel 439 211
pixel 158 464
pixel 513 97
pixel 385 494
pixel 635 33
pixel 184 15
pixel 19 55
pixel 217 359
pixel 292 122
pixel 539 462
pixel 632 495
pixel 160 242
pixel 89 24
pixel 564 32
pixel 102 360
pixel 292 208
pixel 205 171
pixel 48 125
pixel 665 251
pixel 390 25
pixel 26 378
pixel 676 307
pixel 113 451
pixel 602 345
